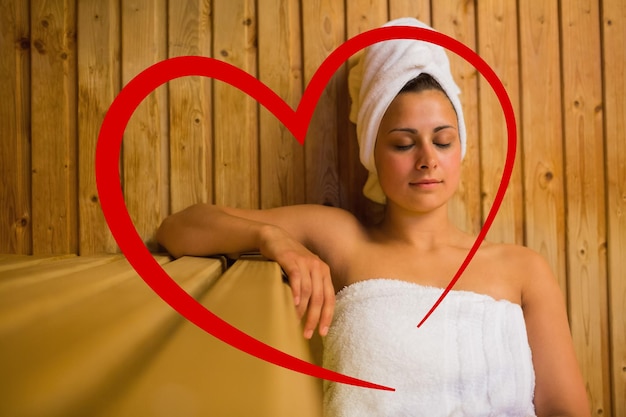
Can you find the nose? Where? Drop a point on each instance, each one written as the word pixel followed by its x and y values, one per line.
pixel 426 158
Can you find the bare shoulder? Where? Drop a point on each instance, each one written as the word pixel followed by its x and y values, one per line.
pixel 538 283
pixel 511 271
pixel 518 261
pixel 510 252
pixel 530 271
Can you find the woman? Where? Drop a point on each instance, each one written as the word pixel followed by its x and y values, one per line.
pixel 499 344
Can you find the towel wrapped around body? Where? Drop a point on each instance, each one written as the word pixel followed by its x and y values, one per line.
pixel 470 358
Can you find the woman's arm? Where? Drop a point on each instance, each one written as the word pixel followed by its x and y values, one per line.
pixel 203 229
pixel 559 389
pixel 287 235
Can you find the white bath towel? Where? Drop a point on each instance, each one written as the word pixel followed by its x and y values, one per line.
pixel 381 72
pixel 470 358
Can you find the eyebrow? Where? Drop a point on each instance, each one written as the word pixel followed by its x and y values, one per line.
pixel 414 131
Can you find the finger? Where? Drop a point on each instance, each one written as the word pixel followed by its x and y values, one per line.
pixel 329 306
pixel 305 291
pixel 295 279
pixel 316 301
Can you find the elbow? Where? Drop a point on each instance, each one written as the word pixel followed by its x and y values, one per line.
pixel 166 236
pixel 181 233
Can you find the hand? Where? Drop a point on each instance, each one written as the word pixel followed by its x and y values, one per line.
pixel 309 278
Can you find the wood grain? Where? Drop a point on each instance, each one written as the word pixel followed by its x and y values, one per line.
pixel 323 30
pixel 457 20
pixel 614 68
pixel 542 134
pixel 280 68
pixel 15 150
pixel 497 44
pixel 236 139
pixel 53 126
pixel 410 8
pixel 144 148
pixel 98 83
pixel 190 110
pixel 584 167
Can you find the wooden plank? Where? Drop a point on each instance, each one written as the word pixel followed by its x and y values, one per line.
pixel 95 344
pixel 37 273
pixel 10 262
pixel 420 10
pixel 98 83
pixel 236 142
pixel 614 68
pixel 280 68
pixel 541 118
pixel 191 160
pixel 584 168
pixel 53 126
pixel 458 21
pixel 144 148
pixel 29 293
pixel 39 293
pixel 201 375
pixel 323 30
pixel 361 16
pixel 498 45
pixel 15 220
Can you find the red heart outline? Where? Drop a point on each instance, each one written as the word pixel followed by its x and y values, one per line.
pixel 121 226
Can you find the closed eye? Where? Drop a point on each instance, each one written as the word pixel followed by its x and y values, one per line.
pixel 404 147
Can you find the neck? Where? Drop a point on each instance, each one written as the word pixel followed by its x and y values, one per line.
pixel 424 231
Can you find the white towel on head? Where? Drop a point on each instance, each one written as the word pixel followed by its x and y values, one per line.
pixel 381 72
pixel 470 358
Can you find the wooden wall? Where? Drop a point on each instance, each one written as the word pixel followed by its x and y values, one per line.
pixel 63 62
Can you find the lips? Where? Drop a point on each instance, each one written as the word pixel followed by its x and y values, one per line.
pixel 426 181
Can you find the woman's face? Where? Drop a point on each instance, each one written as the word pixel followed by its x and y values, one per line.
pixel 418 151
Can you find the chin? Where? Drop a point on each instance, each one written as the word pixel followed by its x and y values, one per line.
pixel 419 201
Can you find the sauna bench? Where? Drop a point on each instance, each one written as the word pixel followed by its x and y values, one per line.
pixel 86 336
